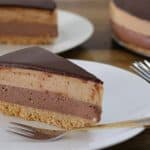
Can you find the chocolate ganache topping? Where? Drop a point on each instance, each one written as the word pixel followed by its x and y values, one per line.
pixel 37 58
pixel 41 4
pixel 138 8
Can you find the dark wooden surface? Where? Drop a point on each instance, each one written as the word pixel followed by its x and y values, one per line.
pixel 101 48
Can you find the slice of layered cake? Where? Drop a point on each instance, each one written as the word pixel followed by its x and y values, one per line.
pixel 28 21
pixel 130 22
pixel 38 85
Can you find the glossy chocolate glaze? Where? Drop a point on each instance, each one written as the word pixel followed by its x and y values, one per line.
pixel 42 4
pixel 49 101
pixel 139 8
pixel 39 59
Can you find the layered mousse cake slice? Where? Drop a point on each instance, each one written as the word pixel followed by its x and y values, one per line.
pixel 38 85
pixel 130 21
pixel 28 21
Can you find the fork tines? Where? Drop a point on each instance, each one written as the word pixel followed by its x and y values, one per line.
pixel 33 132
pixel 142 69
pixel 22 130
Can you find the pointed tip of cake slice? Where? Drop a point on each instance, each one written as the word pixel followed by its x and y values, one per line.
pixel 40 59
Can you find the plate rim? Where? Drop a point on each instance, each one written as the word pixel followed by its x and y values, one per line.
pixel 90 34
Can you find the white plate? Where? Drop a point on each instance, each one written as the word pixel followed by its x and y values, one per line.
pixel 73 31
pixel 126 96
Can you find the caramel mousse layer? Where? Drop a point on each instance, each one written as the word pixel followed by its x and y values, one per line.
pixel 49 101
pixel 27 15
pixel 27 29
pixel 131 37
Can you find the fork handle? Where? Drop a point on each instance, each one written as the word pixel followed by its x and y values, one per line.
pixel 145 122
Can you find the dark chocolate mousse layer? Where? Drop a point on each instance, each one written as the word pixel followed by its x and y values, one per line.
pixel 27 29
pixel 37 58
pixel 42 4
pixel 128 36
pixel 46 100
pixel 139 8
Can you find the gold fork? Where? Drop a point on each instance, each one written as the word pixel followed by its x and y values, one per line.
pixel 44 134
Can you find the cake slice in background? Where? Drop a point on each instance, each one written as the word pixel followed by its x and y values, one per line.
pixel 28 21
pixel 36 84
pixel 130 22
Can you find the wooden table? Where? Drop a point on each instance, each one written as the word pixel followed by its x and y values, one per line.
pixel 101 48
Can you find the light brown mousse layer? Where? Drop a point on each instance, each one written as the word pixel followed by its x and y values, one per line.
pixel 83 97
pixel 27 25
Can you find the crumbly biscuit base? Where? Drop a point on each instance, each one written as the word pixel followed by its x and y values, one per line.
pixel 27 40
pixel 51 118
